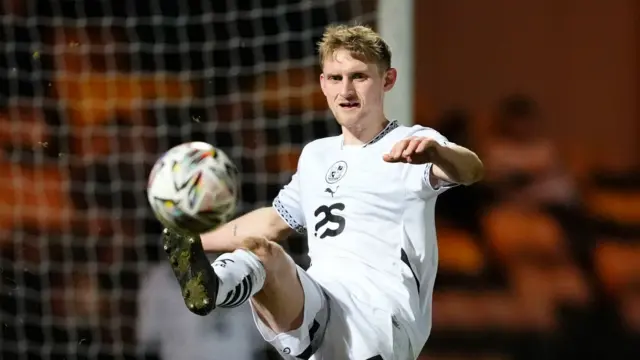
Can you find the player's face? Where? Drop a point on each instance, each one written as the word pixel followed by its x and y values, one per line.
pixel 354 89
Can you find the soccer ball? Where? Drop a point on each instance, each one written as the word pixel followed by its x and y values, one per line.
pixel 193 188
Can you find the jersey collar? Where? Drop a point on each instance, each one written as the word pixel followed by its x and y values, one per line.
pixel 391 125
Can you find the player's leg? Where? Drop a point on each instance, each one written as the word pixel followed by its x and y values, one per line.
pixel 280 302
pixel 259 267
pixel 291 310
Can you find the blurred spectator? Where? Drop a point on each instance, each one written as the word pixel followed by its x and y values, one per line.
pixel 522 164
pixel 167 327
pixel 528 179
pixel 525 173
pixel 455 125
pixel 462 205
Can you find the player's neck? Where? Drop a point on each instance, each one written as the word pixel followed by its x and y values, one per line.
pixel 360 134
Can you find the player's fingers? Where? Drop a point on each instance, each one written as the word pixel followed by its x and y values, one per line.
pixel 411 147
pixel 422 147
pixel 392 155
pixel 398 148
pixel 389 158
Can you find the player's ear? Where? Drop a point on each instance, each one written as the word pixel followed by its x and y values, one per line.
pixel 390 77
pixel 323 84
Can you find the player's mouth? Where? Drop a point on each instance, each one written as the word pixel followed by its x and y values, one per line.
pixel 350 105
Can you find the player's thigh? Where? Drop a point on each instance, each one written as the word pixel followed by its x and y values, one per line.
pixel 303 341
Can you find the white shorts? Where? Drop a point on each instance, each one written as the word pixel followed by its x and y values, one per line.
pixel 338 326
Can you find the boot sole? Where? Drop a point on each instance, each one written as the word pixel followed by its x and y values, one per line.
pixel 191 267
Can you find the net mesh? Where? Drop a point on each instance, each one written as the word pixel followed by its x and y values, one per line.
pixel 91 92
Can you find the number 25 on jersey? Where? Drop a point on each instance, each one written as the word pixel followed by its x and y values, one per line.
pixel 329 222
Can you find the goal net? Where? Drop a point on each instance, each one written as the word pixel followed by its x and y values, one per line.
pixel 90 93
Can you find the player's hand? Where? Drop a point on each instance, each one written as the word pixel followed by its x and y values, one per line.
pixel 413 150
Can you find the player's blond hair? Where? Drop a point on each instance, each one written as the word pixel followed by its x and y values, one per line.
pixel 361 41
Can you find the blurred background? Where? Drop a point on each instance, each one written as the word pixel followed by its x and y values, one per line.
pixel 540 261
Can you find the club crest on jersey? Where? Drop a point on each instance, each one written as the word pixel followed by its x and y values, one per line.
pixel 336 172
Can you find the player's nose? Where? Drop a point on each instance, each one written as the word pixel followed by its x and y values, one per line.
pixel 347 91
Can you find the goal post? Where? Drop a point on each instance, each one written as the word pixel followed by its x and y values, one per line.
pixel 395 22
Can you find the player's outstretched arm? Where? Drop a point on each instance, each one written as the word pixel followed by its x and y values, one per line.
pixel 262 223
pixel 455 163
pixel 451 162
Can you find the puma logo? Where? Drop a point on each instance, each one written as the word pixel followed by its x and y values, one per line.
pixel 331 191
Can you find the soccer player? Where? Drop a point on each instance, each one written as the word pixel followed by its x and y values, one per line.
pixel 365 200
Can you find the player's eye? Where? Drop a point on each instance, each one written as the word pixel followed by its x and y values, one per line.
pixel 358 76
pixel 335 77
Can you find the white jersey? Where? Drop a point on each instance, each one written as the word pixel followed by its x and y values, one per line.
pixel 370 224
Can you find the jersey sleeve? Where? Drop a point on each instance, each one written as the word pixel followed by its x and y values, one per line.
pixel 419 176
pixel 288 204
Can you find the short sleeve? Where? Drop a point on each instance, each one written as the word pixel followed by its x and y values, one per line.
pixel 288 204
pixel 419 176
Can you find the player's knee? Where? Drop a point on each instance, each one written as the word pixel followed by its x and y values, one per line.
pixel 264 249
pixel 275 260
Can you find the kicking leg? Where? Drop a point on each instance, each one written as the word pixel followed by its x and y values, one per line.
pixel 280 302
pixel 291 310
pixel 259 268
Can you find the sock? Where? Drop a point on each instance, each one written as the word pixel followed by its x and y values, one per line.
pixel 241 275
